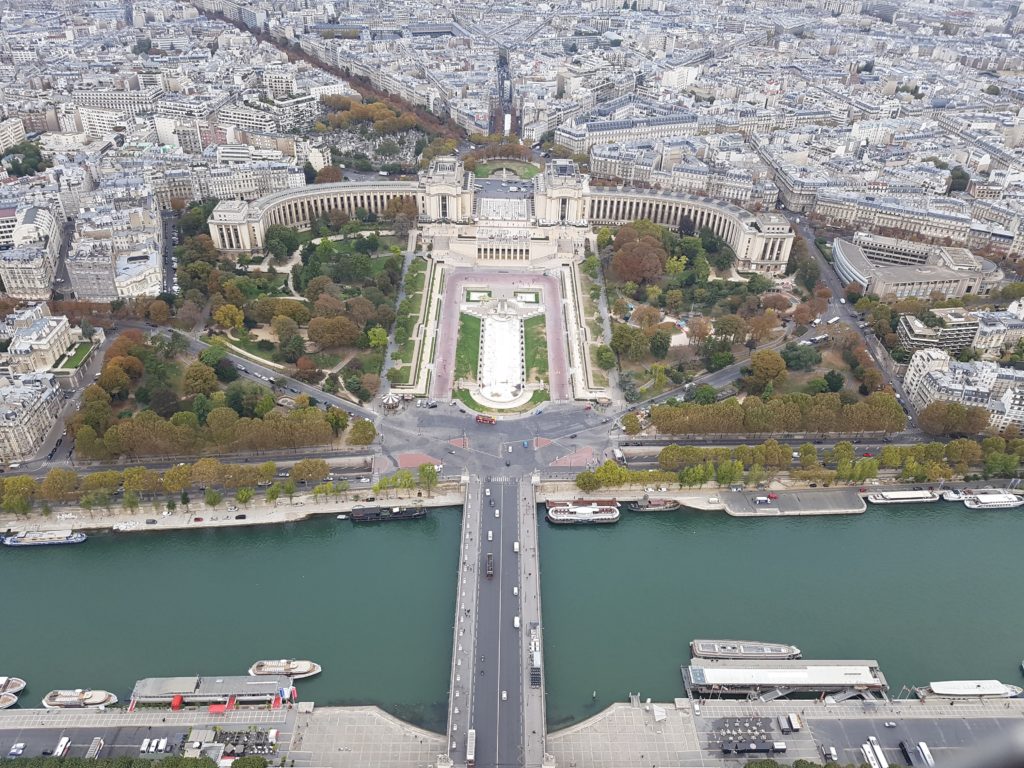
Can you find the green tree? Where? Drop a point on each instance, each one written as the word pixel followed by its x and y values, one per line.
pixel 243 496
pixel 378 337
pixel 631 424
pixel 274 493
pixel 427 477
pixel 587 482
pixel 212 497
pixel 835 380
pixel 705 394
pixel 605 357
pixel 660 342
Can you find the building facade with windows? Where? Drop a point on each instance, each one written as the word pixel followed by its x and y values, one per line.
pixel 29 406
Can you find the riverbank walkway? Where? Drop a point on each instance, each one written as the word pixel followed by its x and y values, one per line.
pixel 679 733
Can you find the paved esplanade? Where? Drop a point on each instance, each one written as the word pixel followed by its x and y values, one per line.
pixel 497 628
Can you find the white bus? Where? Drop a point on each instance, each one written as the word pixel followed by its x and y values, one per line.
pixel 926 754
pixel 145 747
pixel 869 755
pixel 471 748
pixel 877 749
pixel 162 746
pixel 62 747
pixel 833 321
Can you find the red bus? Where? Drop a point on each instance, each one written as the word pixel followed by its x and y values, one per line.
pixel 485 420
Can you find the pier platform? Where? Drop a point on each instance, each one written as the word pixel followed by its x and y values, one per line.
pixel 753 677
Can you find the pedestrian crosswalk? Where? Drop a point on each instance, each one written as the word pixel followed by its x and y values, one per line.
pixel 502 479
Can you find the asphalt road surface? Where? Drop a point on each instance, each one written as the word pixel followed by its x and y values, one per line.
pixel 498 721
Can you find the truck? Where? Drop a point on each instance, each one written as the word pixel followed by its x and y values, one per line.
pixel 794 722
pixel 764 500
pixel 471 748
pixel 481 419
pixel 816 322
pixel 784 724
pixel 618 455
pixel 490 564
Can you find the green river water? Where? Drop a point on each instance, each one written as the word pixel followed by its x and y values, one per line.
pixel 930 591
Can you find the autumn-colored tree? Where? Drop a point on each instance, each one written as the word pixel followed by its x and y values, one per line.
pixel 199 379
pixel 228 316
pixel 646 316
pixel 331 332
pixel 328 174
pixel 775 301
pixel 762 326
pixel 699 329
pixel 59 485
pixel 159 312
pixel 362 433
pixel 767 367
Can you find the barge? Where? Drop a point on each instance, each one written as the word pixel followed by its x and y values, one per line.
pixel 42 538
pixel 742 649
pixel 296 669
pixel 550 504
pixel 647 504
pixel 969 689
pixel 385 514
pixel 78 698
pixel 585 514
pixel 903 497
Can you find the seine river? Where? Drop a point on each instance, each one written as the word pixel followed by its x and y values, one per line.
pixel 371 603
pixel 931 591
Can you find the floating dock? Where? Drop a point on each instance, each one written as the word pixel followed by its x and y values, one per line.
pixel 742 649
pixel 903 497
pixel 772 679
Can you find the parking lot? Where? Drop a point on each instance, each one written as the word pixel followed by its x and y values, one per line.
pixel 117 741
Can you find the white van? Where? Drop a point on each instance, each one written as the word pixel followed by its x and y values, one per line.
pixel 515 622
pixel 504 695
pixel 490 535
pixel 515 546
pixel 515 591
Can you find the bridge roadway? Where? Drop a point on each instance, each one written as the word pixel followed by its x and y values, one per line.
pixel 491 691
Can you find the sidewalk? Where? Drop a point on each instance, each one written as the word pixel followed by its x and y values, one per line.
pixel 256 513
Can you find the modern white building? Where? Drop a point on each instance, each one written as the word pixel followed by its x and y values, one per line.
pixel 886 266
pixel 12 131
pixel 29 406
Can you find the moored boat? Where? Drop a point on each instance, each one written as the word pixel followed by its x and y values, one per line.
pixel 583 514
pixel 902 497
pixel 559 503
pixel 953 494
pixel 42 538
pixel 970 689
pixel 993 500
pixel 385 514
pixel 78 698
pixel 742 649
pixel 12 685
pixel 7 700
pixel 647 504
pixel 289 667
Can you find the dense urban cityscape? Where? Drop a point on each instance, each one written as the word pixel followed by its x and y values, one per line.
pixel 712 313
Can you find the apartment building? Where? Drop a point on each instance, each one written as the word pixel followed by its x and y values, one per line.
pixel 12 131
pixel 28 268
pixel 29 406
pixel 957 332
pixel 932 375
pixel 36 339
